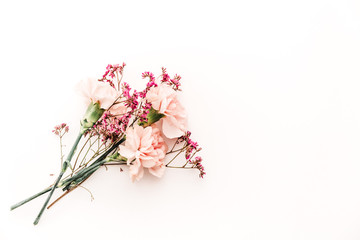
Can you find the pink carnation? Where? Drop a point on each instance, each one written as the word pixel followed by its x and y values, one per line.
pixel 144 148
pixel 164 99
pixel 93 90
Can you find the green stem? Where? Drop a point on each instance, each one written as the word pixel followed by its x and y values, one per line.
pixel 79 154
pixel 81 174
pixel 30 198
pixel 88 171
pixel 64 168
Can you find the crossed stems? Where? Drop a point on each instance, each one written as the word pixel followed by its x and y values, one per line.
pixel 80 175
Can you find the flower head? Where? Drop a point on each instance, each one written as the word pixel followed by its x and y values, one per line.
pixel 94 91
pixel 144 148
pixel 164 99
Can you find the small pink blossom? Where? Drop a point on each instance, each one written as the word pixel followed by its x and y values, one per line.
pixel 174 83
pixel 151 83
pixel 109 127
pixel 112 71
pixel 144 148
pixel 165 76
pixel 61 129
pixel 164 99
pixel 149 75
pixel 197 164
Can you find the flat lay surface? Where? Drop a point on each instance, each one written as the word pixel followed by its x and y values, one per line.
pixel 272 95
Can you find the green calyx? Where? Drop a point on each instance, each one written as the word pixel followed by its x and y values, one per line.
pixel 92 115
pixel 152 117
pixel 116 157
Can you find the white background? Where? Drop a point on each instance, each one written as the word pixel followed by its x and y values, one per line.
pixel 272 93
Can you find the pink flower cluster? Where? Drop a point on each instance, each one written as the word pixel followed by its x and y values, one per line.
pixel 145 146
pixel 174 83
pixel 109 127
pixel 145 111
pixel 151 83
pixel 191 149
pixel 112 71
pixel 191 145
pixel 197 164
pixel 61 129
pixel 131 100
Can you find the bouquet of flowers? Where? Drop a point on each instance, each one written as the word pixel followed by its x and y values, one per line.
pixel 125 127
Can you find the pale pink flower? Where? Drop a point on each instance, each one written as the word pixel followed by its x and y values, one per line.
pixel 93 90
pixel 144 148
pixel 164 99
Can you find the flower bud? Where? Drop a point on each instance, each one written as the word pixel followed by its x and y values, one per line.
pixel 116 157
pixel 92 115
pixel 152 117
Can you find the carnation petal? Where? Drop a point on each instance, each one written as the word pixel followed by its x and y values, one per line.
pixel 132 139
pixel 169 129
pixel 127 152
pixel 148 163
pixel 157 171
pixel 93 90
pixel 147 138
pixel 136 170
